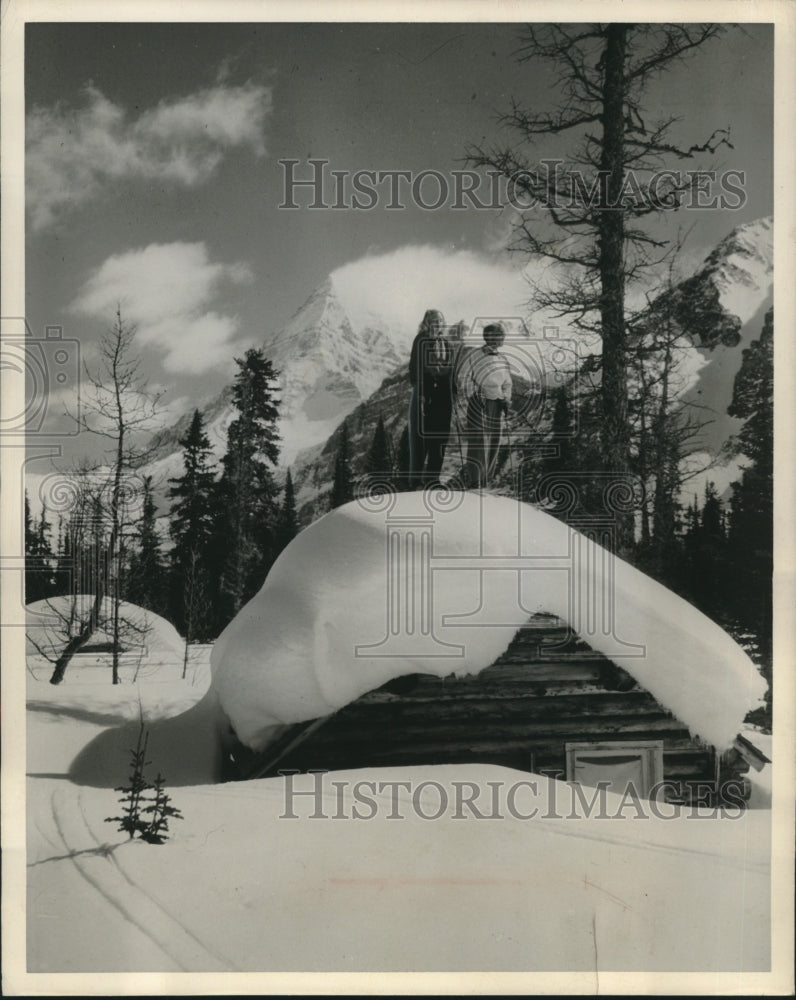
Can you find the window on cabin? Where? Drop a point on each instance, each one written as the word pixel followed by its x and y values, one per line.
pixel 619 763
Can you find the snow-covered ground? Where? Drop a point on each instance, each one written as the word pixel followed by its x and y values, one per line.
pixel 239 887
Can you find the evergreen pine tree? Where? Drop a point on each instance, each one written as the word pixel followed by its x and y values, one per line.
pixel 562 434
pixel 31 580
pixel 133 794
pixel 147 806
pixel 247 489
pixel 287 524
pixel 145 582
pixel 751 517
pixel 402 458
pixel 161 810
pixel 692 521
pixel 753 398
pixel 46 554
pixel 39 566
pixel 342 484
pixel 64 572
pixel 712 519
pixel 43 533
pixel 379 461
pixel 575 455
pixel 709 554
pixel 665 564
pixel 30 534
pixel 192 523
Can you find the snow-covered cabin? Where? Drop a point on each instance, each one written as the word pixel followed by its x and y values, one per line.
pixel 474 628
pixel 549 704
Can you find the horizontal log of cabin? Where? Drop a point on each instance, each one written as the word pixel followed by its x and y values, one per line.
pixel 508 676
pixel 430 718
pixel 564 673
pixel 421 743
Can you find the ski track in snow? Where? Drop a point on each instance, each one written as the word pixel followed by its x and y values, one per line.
pixel 124 894
pixel 102 870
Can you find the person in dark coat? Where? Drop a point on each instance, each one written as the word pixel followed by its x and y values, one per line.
pixel 430 374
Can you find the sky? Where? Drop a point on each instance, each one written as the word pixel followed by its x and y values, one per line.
pixel 153 174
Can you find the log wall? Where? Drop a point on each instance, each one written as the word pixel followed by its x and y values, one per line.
pixel 548 689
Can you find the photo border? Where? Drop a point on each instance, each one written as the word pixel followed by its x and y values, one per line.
pixel 16 980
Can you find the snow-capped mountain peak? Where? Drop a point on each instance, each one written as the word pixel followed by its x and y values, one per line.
pixel 327 365
pixel 742 268
pixel 320 314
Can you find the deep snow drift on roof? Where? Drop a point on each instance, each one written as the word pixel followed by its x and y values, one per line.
pixel 438 583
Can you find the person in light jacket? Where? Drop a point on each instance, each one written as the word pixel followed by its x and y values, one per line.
pixel 484 382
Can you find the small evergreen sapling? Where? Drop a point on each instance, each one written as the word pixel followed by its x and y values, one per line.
pixel 138 803
pixel 161 809
pixel 133 792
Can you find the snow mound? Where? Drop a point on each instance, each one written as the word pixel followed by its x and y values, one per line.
pixel 146 639
pixel 439 583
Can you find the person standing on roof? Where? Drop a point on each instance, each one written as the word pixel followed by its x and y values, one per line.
pixel 430 374
pixel 484 381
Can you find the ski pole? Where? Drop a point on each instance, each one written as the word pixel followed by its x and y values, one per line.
pixel 511 456
pixel 457 425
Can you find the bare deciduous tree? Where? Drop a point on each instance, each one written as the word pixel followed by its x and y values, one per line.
pixel 119 407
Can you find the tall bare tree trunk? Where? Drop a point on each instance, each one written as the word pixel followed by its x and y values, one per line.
pixel 615 437
pixel 114 555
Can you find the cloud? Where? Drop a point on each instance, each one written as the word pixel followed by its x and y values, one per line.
pixel 171 409
pixel 71 154
pixel 700 468
pixel 403 283
pixel 167 291
pixel 464 285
